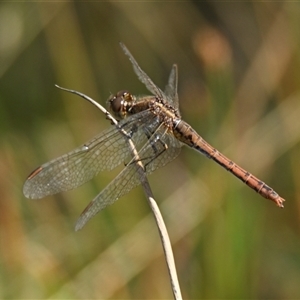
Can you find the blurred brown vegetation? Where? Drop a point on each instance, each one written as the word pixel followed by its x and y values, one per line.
pixel 239 87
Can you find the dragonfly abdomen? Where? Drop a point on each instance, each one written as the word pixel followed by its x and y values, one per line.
pixel 187 135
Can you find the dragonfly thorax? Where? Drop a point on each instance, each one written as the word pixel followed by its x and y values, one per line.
pixel 121 103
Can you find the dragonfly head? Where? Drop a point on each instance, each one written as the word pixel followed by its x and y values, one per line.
pixel 121 103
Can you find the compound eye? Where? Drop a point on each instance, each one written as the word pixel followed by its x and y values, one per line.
pixel 115 104
pixel 118 104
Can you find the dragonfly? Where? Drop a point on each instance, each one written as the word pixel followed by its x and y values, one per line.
pixel 154 125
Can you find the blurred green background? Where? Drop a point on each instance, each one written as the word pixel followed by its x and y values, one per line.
pixel 239 87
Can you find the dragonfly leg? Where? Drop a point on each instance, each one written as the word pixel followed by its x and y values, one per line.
pixel 157 151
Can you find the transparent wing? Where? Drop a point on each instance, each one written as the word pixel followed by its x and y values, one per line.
pixel 143 77
pixel 104 152
pixel 171 88
pixel 160 149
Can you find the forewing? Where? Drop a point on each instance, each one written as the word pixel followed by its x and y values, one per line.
pixel 143 77
pixel 104 152
pixel 71 170
pixel 171 88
